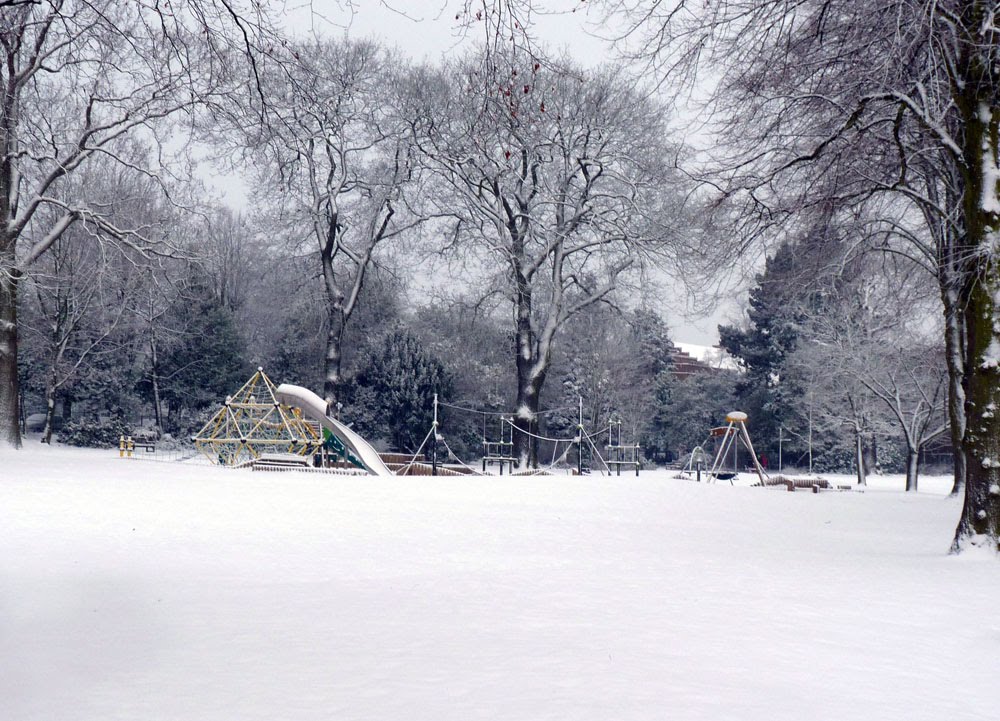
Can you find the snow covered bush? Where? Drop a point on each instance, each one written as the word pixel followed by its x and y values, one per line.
pixel 94 433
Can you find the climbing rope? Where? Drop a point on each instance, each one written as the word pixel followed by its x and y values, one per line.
pixel 452 454
pixel 535 435
pixel 500 413
pixel 598 454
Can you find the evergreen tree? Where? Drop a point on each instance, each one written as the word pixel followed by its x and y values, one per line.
pixel 392 395
pixel 206 360
pixel 791 286
pixel 687 408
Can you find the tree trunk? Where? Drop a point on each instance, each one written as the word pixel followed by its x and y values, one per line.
pixel 155 381
pixel 859 459
pixel 10 430
pixel 526 419
pixel 50 407
pixel 869 455
pixel 531 369
pixel 912 467
pixel 337 316
pixel 332 378
pixel 955 357
pixel 980 520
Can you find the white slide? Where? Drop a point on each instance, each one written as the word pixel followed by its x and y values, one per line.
pixel 315 407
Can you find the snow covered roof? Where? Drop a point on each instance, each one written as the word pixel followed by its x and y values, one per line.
pixel 713 356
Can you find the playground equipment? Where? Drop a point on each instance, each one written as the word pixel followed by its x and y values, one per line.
pixel 620 454
pixel 252 422
pixel 731 435
pixel 696 462
pixel 287 426
pixel 262 420
pixel 501 451
pixel 315 408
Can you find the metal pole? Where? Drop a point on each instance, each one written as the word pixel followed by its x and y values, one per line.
pixel 780 430
pixel 810 433
pixel 434 444
pixel 736 456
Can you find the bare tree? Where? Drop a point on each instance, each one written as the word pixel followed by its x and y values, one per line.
pixel 870 363
pixel 82 305
pixel 803 85
pixel 563 180
pixel 79 78
pixel 343 166
pixel 227 252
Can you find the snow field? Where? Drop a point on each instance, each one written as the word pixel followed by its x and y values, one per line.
pixel 144 590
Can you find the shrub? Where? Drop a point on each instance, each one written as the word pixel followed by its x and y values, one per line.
pixel 94 433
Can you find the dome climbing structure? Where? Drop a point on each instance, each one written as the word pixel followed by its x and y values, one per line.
pixel 253 422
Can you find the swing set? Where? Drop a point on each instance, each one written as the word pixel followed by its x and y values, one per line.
pixel 728 439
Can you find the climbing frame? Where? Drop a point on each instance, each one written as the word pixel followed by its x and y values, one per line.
pixel 253 422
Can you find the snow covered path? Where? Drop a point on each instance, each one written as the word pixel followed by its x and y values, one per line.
pixel 142 590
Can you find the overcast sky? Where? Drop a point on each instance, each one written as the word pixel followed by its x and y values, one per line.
pixel 428 30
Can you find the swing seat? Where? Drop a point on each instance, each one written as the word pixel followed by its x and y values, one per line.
pixel 725 475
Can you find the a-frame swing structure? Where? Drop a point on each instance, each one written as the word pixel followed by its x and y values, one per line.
pixel 733 433
pixel 253 422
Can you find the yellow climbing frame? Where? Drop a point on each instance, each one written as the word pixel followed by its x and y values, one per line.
pixel 253 422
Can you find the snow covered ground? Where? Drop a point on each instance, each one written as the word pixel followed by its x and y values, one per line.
pixel 144 590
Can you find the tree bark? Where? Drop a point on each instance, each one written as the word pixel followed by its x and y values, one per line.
pixel 338 313
pixel 155 381
pixel 529 390
pixel 981 442
pixel 912 468
pixel 980 519
pixel 50 406
pixel 860 457
pixel 955 359
pixel 870 455
pixel 531 368
pixel 333 359
pixel 10 429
